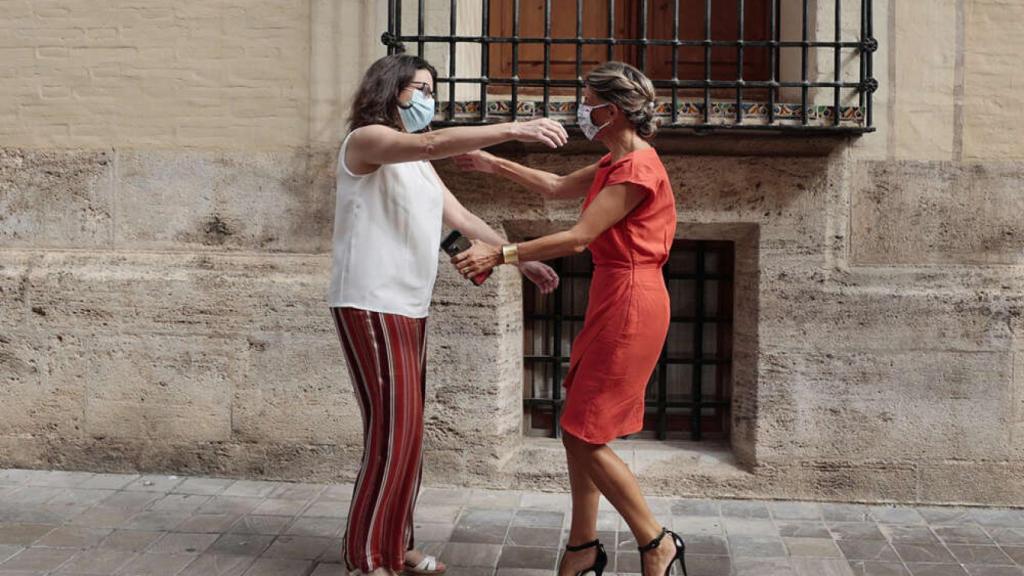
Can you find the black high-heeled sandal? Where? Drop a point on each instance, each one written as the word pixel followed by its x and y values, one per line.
pixel 680 551
pixel 600 562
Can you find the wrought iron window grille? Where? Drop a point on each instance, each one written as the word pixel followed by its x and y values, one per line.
pixel 827 101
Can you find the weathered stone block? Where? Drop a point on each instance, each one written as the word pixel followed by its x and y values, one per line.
pixel 1017 396
pixel 937 213
pixel 992 92
pixel 175 293
pixel 840 480
pixel 35 400
pixel 876 405
pixel 998 483
pixel 154 387
pixel 787 199
pixel 295 390
pixel 254 200
pixel 60 199
pixel 806 315
pixel 925 79
pixel 14 306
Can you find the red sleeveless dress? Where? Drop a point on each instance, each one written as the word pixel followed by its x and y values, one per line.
pixel 627 315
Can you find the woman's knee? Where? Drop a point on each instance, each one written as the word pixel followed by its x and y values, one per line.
pixel 575 445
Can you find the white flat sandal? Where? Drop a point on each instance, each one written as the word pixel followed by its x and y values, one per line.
pixel 426 567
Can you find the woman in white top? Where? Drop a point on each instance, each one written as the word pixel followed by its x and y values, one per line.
pixel 387 229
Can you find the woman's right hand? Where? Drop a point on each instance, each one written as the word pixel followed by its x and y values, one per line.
pixel 476 161
pixel 543 130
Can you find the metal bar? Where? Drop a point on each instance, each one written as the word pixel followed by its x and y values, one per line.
pixel 391 24
pixel 611 30
pixel 804 91
pixel 556 352
pixel 697 375
pixel 871 61
pixel 579 52
pixel 547 57
pixel 732 84
pixel 713 319
pixel 671 276
pixel 781 129
pixel 398 17
pixel 707 359
pixel 485 57
pixel 677 404
pixel 739 63
pixel 837 111
pixel 663 374
pixel 452 12
pixel 515 60
pixel 675 61
pixel 419 28
pixel 860 52
pixel 529 344
pixel 630 41
pixel 642 57
pixel 774 19
pixel 707 61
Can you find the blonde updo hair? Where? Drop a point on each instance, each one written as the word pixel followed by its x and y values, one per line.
pixel 627 88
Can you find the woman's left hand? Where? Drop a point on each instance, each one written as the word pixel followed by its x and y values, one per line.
pixel 540 274
pixel 480 258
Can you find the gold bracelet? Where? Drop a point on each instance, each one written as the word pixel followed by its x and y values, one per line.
pixel 510 253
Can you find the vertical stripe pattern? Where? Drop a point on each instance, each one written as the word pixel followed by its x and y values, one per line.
pixel 386 357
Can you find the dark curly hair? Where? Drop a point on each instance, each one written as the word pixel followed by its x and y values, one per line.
pixel 376 101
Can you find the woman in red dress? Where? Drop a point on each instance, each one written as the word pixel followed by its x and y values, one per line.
pixel 628 223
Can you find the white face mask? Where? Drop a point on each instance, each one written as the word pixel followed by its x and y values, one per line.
pixel 584 121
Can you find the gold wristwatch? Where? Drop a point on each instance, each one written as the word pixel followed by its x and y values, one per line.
pixel 510 253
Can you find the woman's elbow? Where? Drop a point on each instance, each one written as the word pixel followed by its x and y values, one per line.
pixel 455 219
pixel 556 187
pixel 430 146
pixel 579 241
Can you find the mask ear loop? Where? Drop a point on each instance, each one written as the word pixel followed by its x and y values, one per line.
pixel 602 126
pixel 409 104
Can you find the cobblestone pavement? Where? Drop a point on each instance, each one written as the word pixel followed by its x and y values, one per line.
pixel 72 523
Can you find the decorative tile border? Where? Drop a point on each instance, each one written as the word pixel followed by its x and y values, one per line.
pixel 690 112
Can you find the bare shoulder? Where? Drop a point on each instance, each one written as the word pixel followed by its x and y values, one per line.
pixel 372 133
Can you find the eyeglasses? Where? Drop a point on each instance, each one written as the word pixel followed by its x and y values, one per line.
pixel 423 87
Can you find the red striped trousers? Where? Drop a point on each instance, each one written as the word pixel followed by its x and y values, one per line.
pixel 386 357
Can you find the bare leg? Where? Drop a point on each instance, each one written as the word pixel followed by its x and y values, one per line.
pixel 585 499
pixel 613 478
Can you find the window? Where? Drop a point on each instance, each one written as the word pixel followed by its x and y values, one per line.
pixel 688 394
pixel 627 24
pixel 779 65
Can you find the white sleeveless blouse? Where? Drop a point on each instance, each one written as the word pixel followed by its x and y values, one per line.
pixel 387 231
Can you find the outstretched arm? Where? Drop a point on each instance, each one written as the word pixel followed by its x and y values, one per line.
pixel 552 185
pixel 372 146
pixel 458 217
pixel 611 205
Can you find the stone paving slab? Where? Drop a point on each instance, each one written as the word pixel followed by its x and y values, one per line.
pixel 80 524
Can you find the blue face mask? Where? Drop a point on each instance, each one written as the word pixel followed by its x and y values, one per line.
pixel 417 114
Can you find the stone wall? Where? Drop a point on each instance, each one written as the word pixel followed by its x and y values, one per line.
pixel 166 191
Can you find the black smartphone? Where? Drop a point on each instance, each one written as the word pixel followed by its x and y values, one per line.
pixel 455 243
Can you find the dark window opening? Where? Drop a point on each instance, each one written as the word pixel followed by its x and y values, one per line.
pixel 688 396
